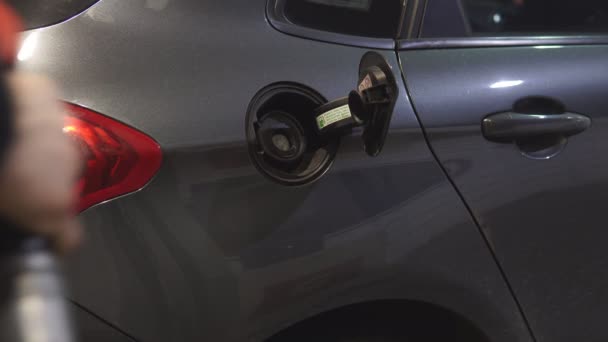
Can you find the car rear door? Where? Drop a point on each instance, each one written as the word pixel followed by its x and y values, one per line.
pixel 513 98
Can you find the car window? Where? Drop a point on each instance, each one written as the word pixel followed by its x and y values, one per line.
pixel 517 17
pixel 367 18
pixel 38 13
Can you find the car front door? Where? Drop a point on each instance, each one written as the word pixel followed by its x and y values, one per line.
pixel 513 98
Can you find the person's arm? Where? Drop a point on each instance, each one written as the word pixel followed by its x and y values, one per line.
pixel 40 164
pixel 6 119
pixel 10 25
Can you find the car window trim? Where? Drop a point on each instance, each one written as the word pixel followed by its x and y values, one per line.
pixel 481 42
pixel 277 19
pixel 412 18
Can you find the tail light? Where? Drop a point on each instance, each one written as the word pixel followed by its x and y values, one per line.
pixel 118 159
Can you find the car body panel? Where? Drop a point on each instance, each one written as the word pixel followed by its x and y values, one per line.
pixel 211 249
pixel 92 329
pixel 543 218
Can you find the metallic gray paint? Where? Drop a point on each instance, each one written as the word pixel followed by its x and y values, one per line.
pixel 544 218
pixel 211 250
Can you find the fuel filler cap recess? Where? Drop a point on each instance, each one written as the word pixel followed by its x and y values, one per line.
pixel 281 136
pixel 293 133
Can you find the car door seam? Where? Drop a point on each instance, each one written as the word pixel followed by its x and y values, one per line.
pixel 103 320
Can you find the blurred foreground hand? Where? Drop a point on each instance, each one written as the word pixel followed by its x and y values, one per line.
pixel 38 176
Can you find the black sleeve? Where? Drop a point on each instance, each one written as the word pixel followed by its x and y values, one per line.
pixel 6 122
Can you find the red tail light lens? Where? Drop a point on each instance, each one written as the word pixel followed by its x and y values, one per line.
pixel 119 159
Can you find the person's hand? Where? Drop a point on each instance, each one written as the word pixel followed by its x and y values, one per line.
pixel 37 178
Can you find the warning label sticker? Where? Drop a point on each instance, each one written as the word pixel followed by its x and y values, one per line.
pixel 333 116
